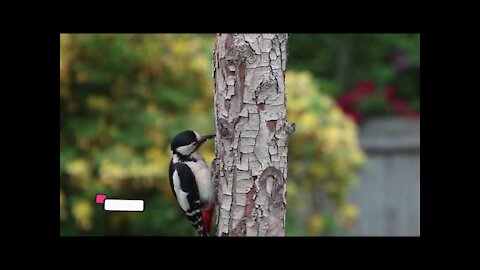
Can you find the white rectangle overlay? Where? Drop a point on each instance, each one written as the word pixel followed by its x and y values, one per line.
pixel 123 205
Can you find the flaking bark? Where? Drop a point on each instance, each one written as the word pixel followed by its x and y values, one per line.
pixel 252 134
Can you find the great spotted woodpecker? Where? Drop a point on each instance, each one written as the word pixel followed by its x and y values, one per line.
pixel 190 180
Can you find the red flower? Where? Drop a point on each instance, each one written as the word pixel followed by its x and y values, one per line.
pixel 364 88
pixel 356 116
pixel 399 106
pixel 347 100
pixel 412 114
pixel 390 92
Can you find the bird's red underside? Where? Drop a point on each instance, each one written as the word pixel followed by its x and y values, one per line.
pixel 207 219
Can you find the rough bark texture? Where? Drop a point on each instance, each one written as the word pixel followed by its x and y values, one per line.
pixel 252 133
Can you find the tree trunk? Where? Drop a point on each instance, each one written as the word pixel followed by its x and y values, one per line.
pixel 252 133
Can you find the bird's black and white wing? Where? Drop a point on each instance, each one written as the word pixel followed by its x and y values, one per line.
pixel 182 182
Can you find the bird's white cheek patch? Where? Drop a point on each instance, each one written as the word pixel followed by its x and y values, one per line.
pixel 197 135
pixel 186 149
pixel 181 195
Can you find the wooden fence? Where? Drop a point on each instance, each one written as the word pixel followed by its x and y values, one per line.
pixel 388 192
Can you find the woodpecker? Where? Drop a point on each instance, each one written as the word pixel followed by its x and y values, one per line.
pixel 190 180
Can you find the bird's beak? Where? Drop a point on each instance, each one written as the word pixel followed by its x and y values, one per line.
pixel 205 138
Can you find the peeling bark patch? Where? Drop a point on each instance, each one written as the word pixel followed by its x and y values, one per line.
pixel 228 42
pixel 273 182
pixel 226 129
pixel 240 229
pixel 269 82
pixel 272 125
pixel 250 202
pixel 227 105
pixel 235 121
pixel 261 106
pixel 241 82
pixel 241 73
pixel 273 172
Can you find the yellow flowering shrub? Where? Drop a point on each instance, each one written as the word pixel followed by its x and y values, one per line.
pixel 324 155
pixel 82 212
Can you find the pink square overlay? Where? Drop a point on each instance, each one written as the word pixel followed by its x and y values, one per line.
pixel 100 198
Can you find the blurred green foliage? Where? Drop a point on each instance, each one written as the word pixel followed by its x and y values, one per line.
pixel 123 98
pixel 339 61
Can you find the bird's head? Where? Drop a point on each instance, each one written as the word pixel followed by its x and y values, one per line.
pixel 187 142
